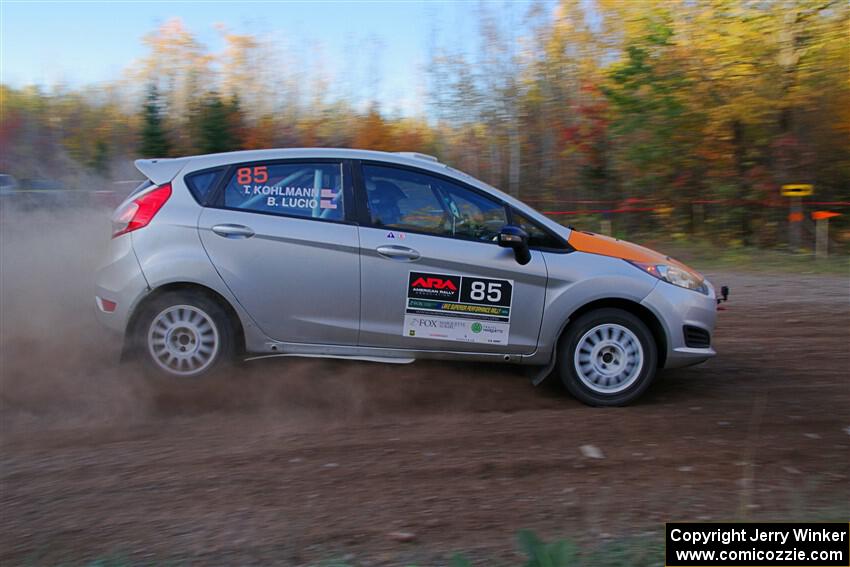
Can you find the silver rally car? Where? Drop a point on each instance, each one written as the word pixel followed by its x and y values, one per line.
pixel 386 257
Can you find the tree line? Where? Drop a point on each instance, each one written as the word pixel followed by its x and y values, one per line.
pixel 670 103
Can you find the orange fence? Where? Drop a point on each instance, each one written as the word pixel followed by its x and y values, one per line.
pixel 637 205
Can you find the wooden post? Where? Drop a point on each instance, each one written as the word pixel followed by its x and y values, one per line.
pixel 698 216
pixel 795 222
pixel 794 191
pixel 821 219
pixel 822 238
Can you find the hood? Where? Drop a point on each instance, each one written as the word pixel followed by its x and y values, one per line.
pixel 607 246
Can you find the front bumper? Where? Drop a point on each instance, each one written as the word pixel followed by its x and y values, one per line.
pixel 676 307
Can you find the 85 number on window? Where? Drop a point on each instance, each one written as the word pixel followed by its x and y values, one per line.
pixel 485 291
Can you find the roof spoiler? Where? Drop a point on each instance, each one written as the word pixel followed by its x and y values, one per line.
pixel 161 170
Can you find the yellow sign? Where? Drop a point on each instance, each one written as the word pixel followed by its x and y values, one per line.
pixel 798 190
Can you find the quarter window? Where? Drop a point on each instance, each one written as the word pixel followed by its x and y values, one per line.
pixel 200 184
pixel 310 190
pixel 408 200
pixel 537 237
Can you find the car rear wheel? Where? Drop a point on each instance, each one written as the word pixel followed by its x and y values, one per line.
pixel 183 336
pixel 607 357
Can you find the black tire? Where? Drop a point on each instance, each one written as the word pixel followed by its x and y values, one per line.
pixel 632 387
pixel 197 305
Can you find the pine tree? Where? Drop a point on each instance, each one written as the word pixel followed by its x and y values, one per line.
pixel 214 127
pixel 154 139
pixel 99 162
pixel 236 121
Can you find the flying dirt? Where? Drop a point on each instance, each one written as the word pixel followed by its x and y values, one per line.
pixel 296 461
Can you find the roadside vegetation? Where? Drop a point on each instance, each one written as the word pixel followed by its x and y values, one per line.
pixel 707 256
pixel 634 552
pixel 679 118
pixel 644 551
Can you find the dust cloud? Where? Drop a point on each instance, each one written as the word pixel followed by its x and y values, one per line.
pixel 56 362
pixel 60 368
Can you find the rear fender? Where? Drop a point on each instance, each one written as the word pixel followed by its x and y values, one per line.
pixel 170 252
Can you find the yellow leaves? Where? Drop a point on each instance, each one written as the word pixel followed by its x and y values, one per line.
pixel 179 65
pixel 373 133
pixel 173 40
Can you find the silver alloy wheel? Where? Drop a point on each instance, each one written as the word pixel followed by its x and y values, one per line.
pixel 608 358
pixel 183 340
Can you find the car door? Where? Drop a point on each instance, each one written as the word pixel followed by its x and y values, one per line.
pixel 433 276
pixel 280 236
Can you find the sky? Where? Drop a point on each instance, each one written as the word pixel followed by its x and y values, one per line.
pixel 80 43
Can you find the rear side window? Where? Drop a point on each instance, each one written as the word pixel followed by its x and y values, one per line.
pixel 309 190
pixel 202 183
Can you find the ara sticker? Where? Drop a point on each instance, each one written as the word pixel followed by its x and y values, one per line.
pixel 458 308
pixel 396 235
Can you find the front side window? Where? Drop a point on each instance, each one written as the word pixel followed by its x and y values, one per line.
pixel 409 200
pixel 310 190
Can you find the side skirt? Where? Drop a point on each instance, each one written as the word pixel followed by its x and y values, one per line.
pixel 382 359
pixel 376 354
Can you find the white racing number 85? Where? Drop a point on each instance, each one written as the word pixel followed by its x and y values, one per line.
pixel 492 290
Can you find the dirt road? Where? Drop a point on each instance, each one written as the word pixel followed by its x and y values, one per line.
pixel 295 462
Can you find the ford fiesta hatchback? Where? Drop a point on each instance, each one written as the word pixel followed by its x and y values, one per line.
pixel 388 258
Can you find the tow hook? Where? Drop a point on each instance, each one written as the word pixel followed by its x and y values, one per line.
pixel 724 294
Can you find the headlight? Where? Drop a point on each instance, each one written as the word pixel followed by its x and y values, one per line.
pixel 675 275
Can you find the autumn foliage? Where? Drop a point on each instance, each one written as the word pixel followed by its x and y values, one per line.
pixel 612 102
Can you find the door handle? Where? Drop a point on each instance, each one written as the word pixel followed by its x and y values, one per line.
pixel 233 231
pixel 398 252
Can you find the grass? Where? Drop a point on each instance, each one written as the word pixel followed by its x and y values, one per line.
pixel 634 551
pixel 641 551
pixel 705 256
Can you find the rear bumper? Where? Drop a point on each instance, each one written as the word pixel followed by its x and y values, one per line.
pixel 677 307
pixel 120 281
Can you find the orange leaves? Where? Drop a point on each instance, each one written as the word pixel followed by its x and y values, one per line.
pixel 373 133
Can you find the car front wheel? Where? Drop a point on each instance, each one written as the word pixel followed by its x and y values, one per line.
pixel 607 357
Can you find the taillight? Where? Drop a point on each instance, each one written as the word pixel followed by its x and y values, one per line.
pixel 139 212
pixel 105 305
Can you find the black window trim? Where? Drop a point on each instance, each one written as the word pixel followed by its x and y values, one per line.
pixel 364 218
pixel 354 192
pixel 349 217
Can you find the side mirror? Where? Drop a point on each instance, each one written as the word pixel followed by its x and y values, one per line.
pixel 512 236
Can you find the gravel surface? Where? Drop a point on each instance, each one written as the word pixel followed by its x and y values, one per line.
pixel 294 462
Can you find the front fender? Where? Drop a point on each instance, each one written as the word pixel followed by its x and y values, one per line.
pixel 577 279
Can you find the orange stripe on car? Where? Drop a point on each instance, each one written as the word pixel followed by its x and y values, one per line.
pixel 606 246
